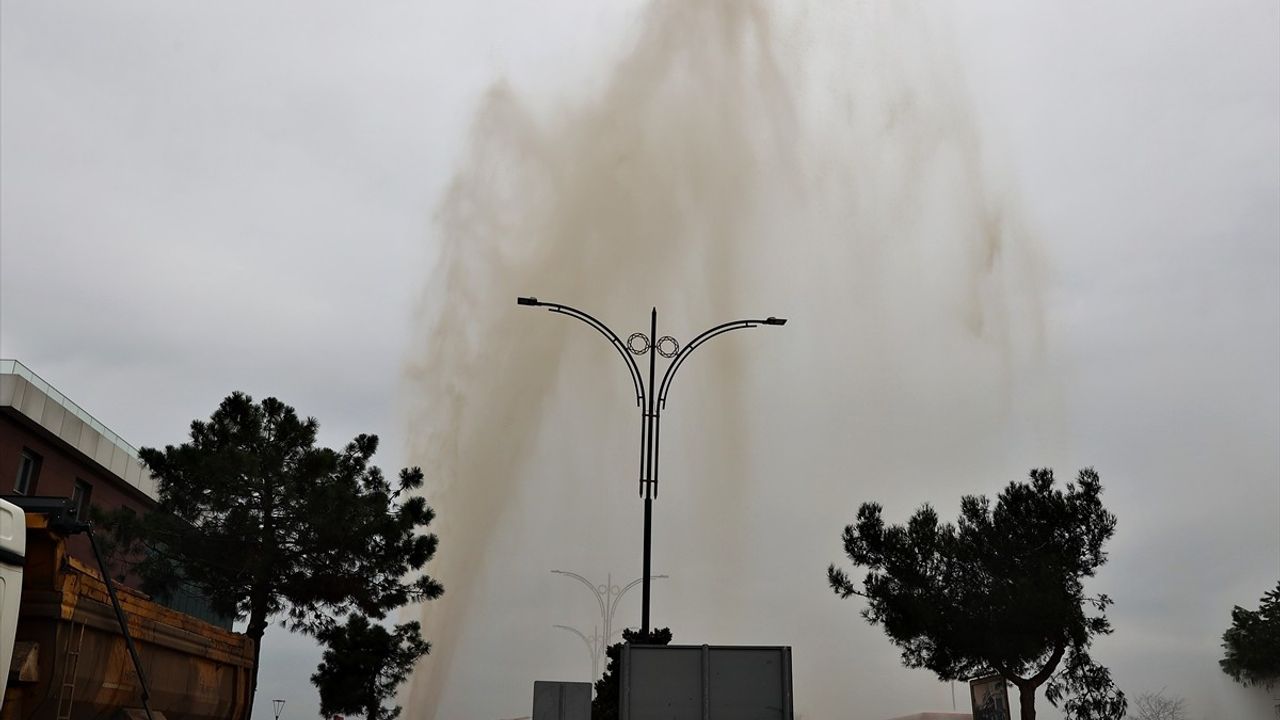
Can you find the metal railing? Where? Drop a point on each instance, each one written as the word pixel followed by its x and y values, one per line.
pixel 14 367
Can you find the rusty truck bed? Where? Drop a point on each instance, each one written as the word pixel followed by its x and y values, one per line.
pixel 71 662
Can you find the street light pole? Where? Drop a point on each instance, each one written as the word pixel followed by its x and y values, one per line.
pixel 593 643
pixel 652 454
pixel 650 403
pixel 607 597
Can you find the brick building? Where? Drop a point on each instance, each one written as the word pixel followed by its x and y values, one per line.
pixel 50 446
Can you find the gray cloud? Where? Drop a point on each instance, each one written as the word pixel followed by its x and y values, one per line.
pixel 201 197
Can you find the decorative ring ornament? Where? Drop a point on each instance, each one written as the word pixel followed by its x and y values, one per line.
pixel 674 346
pixel 644 343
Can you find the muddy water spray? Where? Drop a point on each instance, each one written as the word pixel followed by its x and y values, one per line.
pixel 824 167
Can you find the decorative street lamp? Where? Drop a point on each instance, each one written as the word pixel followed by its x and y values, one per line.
pixel 650 405
pixel 594 642
pixel 607 596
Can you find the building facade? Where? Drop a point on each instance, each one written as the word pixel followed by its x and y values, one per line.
pixel 51 447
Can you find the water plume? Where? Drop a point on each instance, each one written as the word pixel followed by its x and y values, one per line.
pixel 822 164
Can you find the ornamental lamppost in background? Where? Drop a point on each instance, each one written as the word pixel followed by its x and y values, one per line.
pixel 650 403
pixel 607 596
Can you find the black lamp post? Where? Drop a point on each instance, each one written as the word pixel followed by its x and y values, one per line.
pixel 650 405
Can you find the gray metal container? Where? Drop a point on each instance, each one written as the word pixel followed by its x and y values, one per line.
pixel 706 682
pixel 561 700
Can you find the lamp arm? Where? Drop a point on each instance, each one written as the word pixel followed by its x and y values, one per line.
pixel 627 587
pixel 622 592
pixel 611 336
pixel 590 647
pixel 693 345
pixel 592 588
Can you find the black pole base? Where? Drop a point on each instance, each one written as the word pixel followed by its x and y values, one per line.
pixel 648 536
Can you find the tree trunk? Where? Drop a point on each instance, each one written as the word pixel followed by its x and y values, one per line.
pixel 1027 702
pixel 259 593
pixel 257 627
pixel 1027 687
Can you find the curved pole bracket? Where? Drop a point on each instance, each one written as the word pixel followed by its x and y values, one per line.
pixel 592 588
pixel 590 646
pixel 627 587
pixel 604 330
pixel 693 345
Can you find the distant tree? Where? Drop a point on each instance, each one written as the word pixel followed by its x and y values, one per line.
pixel 1252 643
pixel 608 690
pixel 363 664
pixel 1155 706
pixel 265 523
pixel 999 592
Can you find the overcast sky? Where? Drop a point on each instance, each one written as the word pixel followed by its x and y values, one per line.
pixel 203 197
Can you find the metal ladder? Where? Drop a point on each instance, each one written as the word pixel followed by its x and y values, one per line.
pixel 67 694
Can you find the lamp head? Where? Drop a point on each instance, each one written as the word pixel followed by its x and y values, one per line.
pixel 527 301
pixel 775 321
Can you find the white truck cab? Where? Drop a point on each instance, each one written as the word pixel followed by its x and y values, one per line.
pixel 13 551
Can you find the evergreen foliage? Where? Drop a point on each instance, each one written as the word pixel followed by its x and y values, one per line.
pixel 363 664
pixel 999 592
pixel 266 524
pixel 1252 643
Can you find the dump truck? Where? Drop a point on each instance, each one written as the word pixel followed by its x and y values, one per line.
pixel 72 657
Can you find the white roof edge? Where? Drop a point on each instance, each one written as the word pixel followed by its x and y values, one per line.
pixel 41 403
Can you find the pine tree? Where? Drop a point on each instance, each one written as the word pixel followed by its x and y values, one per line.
pixel 1000 592
pixel 1252 643
pixel 362 666
pixel 266 524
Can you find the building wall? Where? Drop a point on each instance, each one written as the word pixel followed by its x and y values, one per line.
pixel 60 466
pixel 72 446
pixel 26 395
